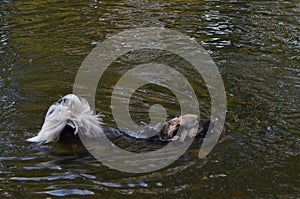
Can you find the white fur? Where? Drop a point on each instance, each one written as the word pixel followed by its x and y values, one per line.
pixel 70 110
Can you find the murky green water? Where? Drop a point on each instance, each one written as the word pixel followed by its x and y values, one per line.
pixel 256 45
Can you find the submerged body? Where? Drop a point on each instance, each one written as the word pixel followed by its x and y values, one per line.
pixel 72 114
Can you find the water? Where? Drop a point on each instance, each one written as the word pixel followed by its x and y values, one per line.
pixel 256 46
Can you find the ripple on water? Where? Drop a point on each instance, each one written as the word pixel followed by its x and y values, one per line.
pixel 108 184
pixel 88 176
pixel 69 176
pixel 51 167
pixel 65 192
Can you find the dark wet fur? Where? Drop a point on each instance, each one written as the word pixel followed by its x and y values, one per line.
pixel 67 135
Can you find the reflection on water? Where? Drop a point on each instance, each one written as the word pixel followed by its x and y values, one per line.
pixel 255 45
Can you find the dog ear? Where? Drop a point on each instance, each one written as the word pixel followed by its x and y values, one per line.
pixel 163 134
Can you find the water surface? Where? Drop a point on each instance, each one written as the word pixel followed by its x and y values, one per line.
pixel 256 46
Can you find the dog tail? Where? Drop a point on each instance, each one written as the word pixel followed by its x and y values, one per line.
pixel 69 110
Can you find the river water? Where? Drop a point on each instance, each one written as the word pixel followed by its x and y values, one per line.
pixel 256 46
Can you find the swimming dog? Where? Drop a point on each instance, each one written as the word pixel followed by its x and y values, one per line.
pixel 71 114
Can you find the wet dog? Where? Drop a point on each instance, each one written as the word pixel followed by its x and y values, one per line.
pixel 72 114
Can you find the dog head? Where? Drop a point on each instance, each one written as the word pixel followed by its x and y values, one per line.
pixel 184 122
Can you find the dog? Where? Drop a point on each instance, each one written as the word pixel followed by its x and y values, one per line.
pixel 71 114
